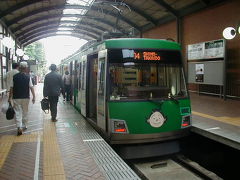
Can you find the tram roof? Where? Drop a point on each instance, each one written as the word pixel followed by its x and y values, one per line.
pixel 141 43
pixel 31 20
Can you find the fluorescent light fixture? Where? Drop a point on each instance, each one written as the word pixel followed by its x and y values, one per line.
pixel 70 19
pixel 129 64
pixel 74 11
pixel 67 24
pixel 80 2
pixel 65 28
pixel 64 32
pixel 229 33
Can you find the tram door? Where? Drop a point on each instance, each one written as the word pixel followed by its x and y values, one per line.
pixel 79 76
pixel 101 89
pixel 92 87
pixel 75 82
pixel 83 85
pixel 71 65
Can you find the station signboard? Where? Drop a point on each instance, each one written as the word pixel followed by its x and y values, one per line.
pixel 206 50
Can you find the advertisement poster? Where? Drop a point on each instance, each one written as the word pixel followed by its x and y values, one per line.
pixel 195 51
pixel 206 50
pixel 214 49
pixel 199 72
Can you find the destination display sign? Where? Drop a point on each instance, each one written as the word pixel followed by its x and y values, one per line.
pixel 142 55
pixel 147 55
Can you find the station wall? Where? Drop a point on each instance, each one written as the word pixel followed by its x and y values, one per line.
pixel 207 25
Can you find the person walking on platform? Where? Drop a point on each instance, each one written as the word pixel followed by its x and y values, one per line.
pixel 9 76
pixel 52 88
pixel 33 77
pixel 19 92
pixel 67 86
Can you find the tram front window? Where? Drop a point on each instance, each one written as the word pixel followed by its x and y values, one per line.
pixel 146 81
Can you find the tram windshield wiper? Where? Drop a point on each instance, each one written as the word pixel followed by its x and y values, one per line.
pixel 170 96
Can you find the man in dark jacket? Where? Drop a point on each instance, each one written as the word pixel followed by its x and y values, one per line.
pixel 52 87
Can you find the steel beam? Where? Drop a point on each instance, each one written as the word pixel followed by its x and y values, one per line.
pixel 56 25
pixel 48 17
pixel 17 7
pixel 90 31
pixel 72 7
pixel 167 7
pixel 55 31
pixel 54 34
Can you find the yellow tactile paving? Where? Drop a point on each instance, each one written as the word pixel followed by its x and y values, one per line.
pixel 27 138
pixel 230 120
pixel 55 177
pixel 52 161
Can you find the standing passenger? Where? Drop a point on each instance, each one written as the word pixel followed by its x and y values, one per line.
pixel 52 88
pixel 9 76
pixel 32 75
pixel 19 91
pixel 67 85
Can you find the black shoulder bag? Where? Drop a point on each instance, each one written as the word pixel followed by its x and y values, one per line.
pixel 10 112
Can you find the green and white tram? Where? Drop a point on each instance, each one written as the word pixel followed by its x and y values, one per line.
pixel 132 90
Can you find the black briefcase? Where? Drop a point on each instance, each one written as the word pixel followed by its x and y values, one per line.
pixel 45 105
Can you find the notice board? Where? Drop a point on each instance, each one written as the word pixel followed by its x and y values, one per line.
pixel 206 72
pixel 206 62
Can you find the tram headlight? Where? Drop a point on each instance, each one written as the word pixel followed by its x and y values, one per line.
pixel 156 119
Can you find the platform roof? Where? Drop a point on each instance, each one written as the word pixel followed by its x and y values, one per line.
pixel 31 20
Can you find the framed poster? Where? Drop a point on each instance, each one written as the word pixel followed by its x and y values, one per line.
pixel 195 51
pixel 206 50
pixel 214 49
pixel 199 69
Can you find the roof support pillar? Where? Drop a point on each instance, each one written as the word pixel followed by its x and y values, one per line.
pixel 179 30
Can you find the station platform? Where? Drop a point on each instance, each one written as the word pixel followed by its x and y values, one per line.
pixel 71 149
pixel 67 149
pixel 216 119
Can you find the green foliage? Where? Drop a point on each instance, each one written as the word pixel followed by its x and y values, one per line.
pixel 35 51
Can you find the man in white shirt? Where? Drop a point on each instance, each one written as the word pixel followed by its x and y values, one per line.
pixel 9 76
pixel 67 86
pixel 19 92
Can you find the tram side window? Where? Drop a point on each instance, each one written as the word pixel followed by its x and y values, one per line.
pixel 79 75
pixel 83 75
pixel 101 77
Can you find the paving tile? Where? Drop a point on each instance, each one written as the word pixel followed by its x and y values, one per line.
pixel 20 162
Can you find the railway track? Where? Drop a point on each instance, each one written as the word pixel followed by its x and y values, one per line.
pixel 171 168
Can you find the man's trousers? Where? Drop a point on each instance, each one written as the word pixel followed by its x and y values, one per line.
pixel 53 100
pixel 20 107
